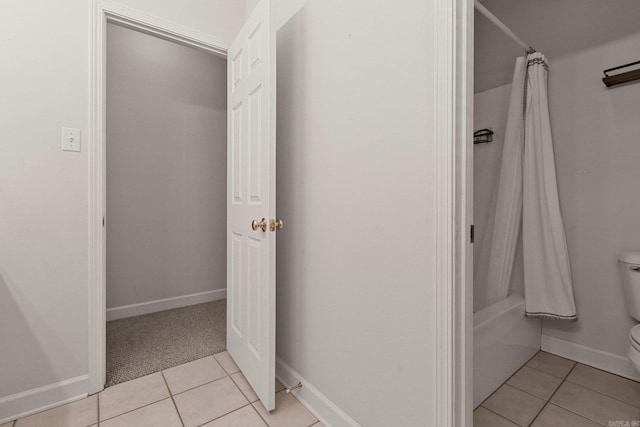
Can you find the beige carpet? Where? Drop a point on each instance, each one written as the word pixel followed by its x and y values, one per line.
pixel 141 345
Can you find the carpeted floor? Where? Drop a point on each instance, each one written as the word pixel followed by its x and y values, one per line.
pixel 141 345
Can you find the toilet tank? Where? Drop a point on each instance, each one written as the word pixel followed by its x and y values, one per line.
pixel 629 262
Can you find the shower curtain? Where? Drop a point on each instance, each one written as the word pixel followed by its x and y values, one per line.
pixel 493 273
pixel 526 198
pixel 547 273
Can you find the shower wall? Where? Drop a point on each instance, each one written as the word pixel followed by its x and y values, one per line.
pixel 490 111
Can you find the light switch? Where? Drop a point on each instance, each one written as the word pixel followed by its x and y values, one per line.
pixel 70 139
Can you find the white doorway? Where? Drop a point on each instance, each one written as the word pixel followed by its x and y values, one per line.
pixel 104 14
pixel 256 134
pixel 166 132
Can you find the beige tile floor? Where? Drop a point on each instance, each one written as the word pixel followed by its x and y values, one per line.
pixel 550 391
pixel 207 392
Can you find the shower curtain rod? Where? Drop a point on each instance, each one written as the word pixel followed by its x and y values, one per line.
pixel 498 23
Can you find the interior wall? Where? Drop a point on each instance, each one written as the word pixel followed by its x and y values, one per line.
pixel 355 185
pixel 490 111
pixel 43 190
pixel 250 4
pixel 166 169
pixel 595 132
pixel 284 9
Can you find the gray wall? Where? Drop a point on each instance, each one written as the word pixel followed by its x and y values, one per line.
pixel 355 186
pixel 597 145
pixel 166 169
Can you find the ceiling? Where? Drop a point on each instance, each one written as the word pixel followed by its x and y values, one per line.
pixel 553 27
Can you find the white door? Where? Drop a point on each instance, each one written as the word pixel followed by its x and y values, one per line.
pixel 251 203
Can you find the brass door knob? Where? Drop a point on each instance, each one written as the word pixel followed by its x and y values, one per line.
pixel 255 224
pixel 276 224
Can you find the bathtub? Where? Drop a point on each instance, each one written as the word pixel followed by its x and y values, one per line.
pixel 503 340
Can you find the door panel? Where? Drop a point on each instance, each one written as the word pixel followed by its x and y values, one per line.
pixel 251 196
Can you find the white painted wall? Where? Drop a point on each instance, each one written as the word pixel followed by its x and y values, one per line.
pixel 220 18
pixel 490 111
pixel 285 9
pixel 250 4
pixel 595 133
pixel 355 186
pixel 597 149
pixel 166 169
pixel 43 191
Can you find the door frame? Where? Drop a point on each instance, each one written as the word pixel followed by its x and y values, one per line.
pixel 454 209
pixel 102 12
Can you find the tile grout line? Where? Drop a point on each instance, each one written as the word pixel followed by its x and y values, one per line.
pixel 224 415
pixel 505 381
pixel 172 399
pixel 220 363
pixel 498 415
pixel 171 396
pixel 131 410
pixel 232 382
pixel 177 394
pixel 173 365
pixel 594 391
pixel 246 397
pixel 203 384
pixel 526 392
pixel 566 379
pixel 607 372
pixel 574 413
pixel 267 423
pixel 601 393
pixel 537 370
pixel 554 393
pixel 260 415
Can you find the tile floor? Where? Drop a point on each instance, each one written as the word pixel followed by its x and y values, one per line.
pixel 550 391
pixel 207 392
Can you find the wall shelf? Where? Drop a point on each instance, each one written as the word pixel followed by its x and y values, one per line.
pixel 482 136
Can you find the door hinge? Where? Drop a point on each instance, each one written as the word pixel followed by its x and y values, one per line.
pixel 102 221
pixel 472 233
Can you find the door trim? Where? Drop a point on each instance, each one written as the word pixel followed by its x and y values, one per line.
pixel 103 11
pixel 454 204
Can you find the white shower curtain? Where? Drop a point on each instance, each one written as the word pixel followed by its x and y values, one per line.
pixel 493 273
pixel 526 198
pixel 547 273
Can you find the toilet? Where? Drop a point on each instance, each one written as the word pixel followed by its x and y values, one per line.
pixel 630 270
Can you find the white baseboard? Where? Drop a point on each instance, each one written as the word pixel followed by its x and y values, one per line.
pixel 311 398
pixel 606 361
pixel 42 398
pixel 116 313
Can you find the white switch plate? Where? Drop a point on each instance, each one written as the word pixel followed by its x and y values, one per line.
pixel 70 139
